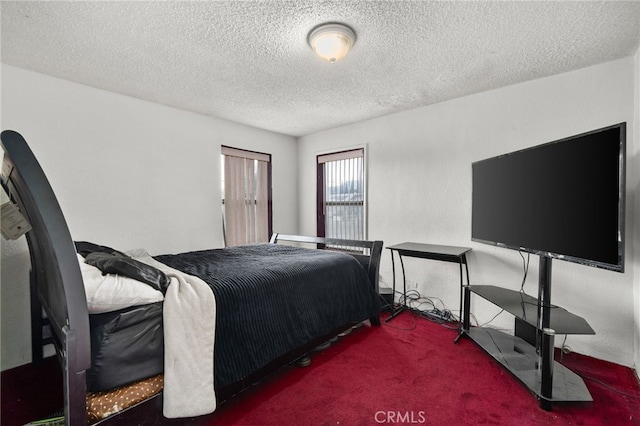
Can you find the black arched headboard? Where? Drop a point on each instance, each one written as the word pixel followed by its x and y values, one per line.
pixel 56 281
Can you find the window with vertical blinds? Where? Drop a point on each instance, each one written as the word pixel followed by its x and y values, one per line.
pixel 246 196
pixel 341 195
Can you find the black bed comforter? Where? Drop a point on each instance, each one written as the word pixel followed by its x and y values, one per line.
pixel 273 298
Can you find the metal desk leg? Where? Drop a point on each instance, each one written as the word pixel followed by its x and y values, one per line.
pixel 403 307
pixel 465 302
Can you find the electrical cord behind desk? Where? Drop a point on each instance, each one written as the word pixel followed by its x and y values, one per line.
pixel 432 313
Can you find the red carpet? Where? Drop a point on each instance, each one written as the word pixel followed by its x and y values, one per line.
pixel 408 372
pixel 411 372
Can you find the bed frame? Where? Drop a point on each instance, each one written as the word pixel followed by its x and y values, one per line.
pixel 59 313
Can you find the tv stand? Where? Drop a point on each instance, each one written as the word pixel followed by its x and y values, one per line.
pixel 530 359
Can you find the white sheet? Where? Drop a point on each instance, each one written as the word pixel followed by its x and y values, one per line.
pixel 189 316
pixel 111 292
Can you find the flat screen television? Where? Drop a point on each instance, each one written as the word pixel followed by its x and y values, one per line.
pixel 563 200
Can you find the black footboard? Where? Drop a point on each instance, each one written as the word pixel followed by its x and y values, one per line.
pixel 368 253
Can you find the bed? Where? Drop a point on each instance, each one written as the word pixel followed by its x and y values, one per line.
pixel 274 303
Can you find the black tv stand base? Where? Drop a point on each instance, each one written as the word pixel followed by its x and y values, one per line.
pixel 520 358
pixel 529 355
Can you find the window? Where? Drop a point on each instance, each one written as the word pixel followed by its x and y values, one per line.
pixel 246 196
pixel 341 195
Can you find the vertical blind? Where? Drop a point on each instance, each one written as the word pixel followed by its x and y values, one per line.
pixel 342 206
pixel 245 196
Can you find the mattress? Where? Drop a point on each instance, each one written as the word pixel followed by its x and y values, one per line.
pixel 126 346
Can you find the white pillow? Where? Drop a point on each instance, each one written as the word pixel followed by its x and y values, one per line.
pixel 110 292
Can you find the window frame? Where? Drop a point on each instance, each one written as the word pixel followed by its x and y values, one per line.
pixel 334 155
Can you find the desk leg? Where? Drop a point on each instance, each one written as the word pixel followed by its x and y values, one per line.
pixel 464 327
pixel 403 307
pixel 393 290
pixel 465 301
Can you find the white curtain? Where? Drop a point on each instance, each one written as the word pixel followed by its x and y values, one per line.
pixel 262 202
pixel 246 200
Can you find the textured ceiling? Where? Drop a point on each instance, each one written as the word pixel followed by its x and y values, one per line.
pixel 249 62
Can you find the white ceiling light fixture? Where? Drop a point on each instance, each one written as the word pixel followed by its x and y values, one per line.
pixel 332 41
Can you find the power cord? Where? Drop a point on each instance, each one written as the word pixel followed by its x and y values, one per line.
pixel 494 317
pixel 564 349
pixel 525 268
pixel 442 316
pixel 611 388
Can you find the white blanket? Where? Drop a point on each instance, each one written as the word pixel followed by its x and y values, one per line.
pixel 189 320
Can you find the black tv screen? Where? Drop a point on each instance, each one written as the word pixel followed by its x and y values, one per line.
pixel 563 199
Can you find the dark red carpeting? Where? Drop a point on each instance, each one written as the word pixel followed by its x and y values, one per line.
pixel 412 371
pixel 408 372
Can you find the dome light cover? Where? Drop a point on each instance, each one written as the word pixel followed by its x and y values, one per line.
pixel 332 41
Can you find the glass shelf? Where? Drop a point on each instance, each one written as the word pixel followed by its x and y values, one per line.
pixel 525 307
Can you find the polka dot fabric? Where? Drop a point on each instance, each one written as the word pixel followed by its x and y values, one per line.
pixel 103 404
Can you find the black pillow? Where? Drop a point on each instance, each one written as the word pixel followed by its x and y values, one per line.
pixel 85 248
pixel 124 265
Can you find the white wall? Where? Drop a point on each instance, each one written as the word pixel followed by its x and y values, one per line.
pixel 419 170
pixel 127 173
